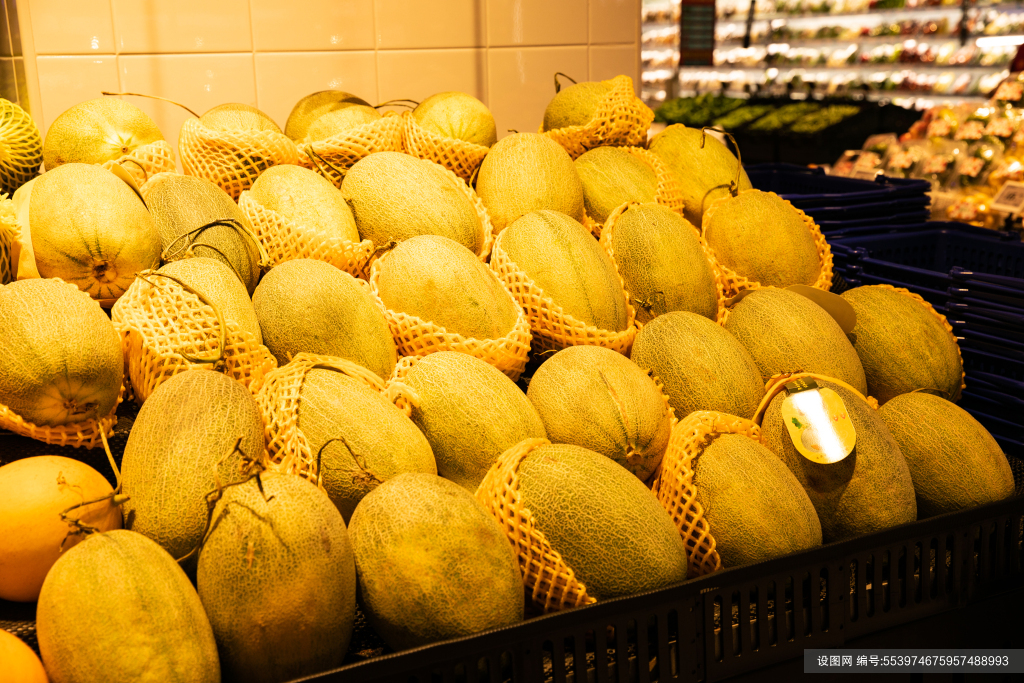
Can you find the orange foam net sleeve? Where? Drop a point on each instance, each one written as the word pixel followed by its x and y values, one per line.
pixel 622 119
pixel 146 161
pixel 333 156
pixel 461 157
pixel 9 233
pixel 22 147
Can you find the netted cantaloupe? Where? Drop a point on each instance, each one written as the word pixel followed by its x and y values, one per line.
pixel 237 116
pixel 21 148
pixel 525 172
pixel 89 228
pixel 954 461
pixel 194 430
pixel 20 663
pixel 470 413
pixel 756 508
pixel 33 494
pixel 612 176
pixel 576 105
pixel 703 167
pixel 219 285
pixel 662 262
pixel 98 131
pixel 306 199
pixel 787 332
pixel 313 106
pixel 457 115
pixel 432 563
pixel 196 217
pixel 340 121
pixel 563 259
pixel 701 365
pixel 278 581
pixel 395 196
pixel 903 344
pixel 95 618
pixel 60 357
pixel 869 490
pixel 596 398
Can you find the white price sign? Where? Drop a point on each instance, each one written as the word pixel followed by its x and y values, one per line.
pixel 1010 198
pixel 865 173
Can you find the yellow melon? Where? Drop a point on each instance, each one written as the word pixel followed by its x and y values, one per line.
pixel 457 115
pixel 576 105
pixel 307 199
pixel 221 287
pixel 311 107
pixel 340 121
pixel 612 176
pixel 98 131
pixel 20 663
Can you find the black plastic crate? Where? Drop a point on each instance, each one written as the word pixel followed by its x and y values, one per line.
pixel 810 188
pixel 907 219
pixel 876 228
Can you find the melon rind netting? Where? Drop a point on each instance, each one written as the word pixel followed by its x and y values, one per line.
pixel 22 147
pixel 458 156
pixel 552 328
pixel 622 119
pixel 165 329
pixel 286 240
pixel 333 156
pixel 232 159
pixel 9 232
pixel 736 283
pixel 550 583
pixel 146 161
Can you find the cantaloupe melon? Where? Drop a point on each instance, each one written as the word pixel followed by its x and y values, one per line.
pixel 395 196
pixel 756 508
pixel 60 357
pixel 569 266
pixel 33 494
pixel 701 365
pixel 470 413
pixel 869 490
pixel 21 147
pixel 221 287
pixel 432 563
pixel 440 281
pixel 89 228
pixel 278 581
pixel 954 461
pixel 307 199
pixel 662 263
pixel 181 444
pixel 457 115
pixel 340 121
pixel 237 116
pixel 596 398
pixel 576 105
pixel 787 332
pixel 21 665
pixel 902 344
pixel 311 107
pixel 525 172
pixel 96 618
pixel 612 176
pixel 97 131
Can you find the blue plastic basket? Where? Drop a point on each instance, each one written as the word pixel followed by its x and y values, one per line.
pixel 909 218
pixel 867 209
pixel 876 228
pixel 940 250
pixel 979 360
pixel 809 188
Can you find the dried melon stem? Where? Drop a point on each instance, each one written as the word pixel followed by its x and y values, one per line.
pixel 558 86
pixel 152 97
pixel 76 527
pixel 733 185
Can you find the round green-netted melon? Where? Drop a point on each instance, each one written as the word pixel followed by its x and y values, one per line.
pixel 605 523
pixel 438 280
pixel 756 508
pixel 60 356
pixel 760 236
pixel 395 196
pixel 90 229
pixel 98 131
pixel 569 266
pixel 902 345
pixel 787 332
pixel 313 106
pixel 525 172
pixel 597 398
pixel 704 174
pixel 278 581
pixel 307 199
pixel 236 116
pixel 340 121
pixel 576 105
pixel 612 176
pixel 375 440
pixel 869 490
pixel 662 263
pixel 954 461
pixel 117 607
pixel 432 563
pixel 457 115
pixel 221 287
pixel 186 428
pixel 700 364
pixel 470 413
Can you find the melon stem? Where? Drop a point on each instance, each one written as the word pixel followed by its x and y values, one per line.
pixel 152 97
pixel 558 86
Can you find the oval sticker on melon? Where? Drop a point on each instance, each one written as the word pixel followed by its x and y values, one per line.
pixel 818 422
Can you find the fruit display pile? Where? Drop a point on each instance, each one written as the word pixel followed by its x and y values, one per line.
pixel 736 115
pixel 386 359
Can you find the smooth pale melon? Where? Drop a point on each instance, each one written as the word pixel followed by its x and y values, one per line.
pixel 89 228
pixel 21 664
pixel 704 174
pixel 756 508
pixel 902 345
pixel 306 199
pixel 470 413
pixel 954 461
pixel 340 121
pixel 525 172
pixel 700 364
pixel 221 287
pixel 60 357
pixel 597 398
pixel 311 107
pixel 576 105
pixel 569 266
pixel 379 441
pixel 98 131
pixel 432 563
pixel 440 281
pixel 95 617
pixel 787 332
pixel 457 115
pixel 235 116
pixel 278 581
pixel 610 530
pixel 182 439
pixel 661 261
pixel 760 236
pixel 33 494
pixel 182 205
pixel 612 176
pixel 869 490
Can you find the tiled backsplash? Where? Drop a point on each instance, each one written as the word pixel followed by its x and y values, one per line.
pixel 270 53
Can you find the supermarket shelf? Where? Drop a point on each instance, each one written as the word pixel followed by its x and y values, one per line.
pixel 915 67
pixel 848 18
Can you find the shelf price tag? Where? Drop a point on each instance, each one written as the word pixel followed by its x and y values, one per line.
pixel 1010 198
pixel 865 173
pixel 818 422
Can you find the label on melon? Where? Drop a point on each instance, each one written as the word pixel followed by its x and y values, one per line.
pixel 818 422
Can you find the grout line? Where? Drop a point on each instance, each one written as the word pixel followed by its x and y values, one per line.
pixel 117 51
pixel 590 40
pixel 252 51
pixel 376 54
